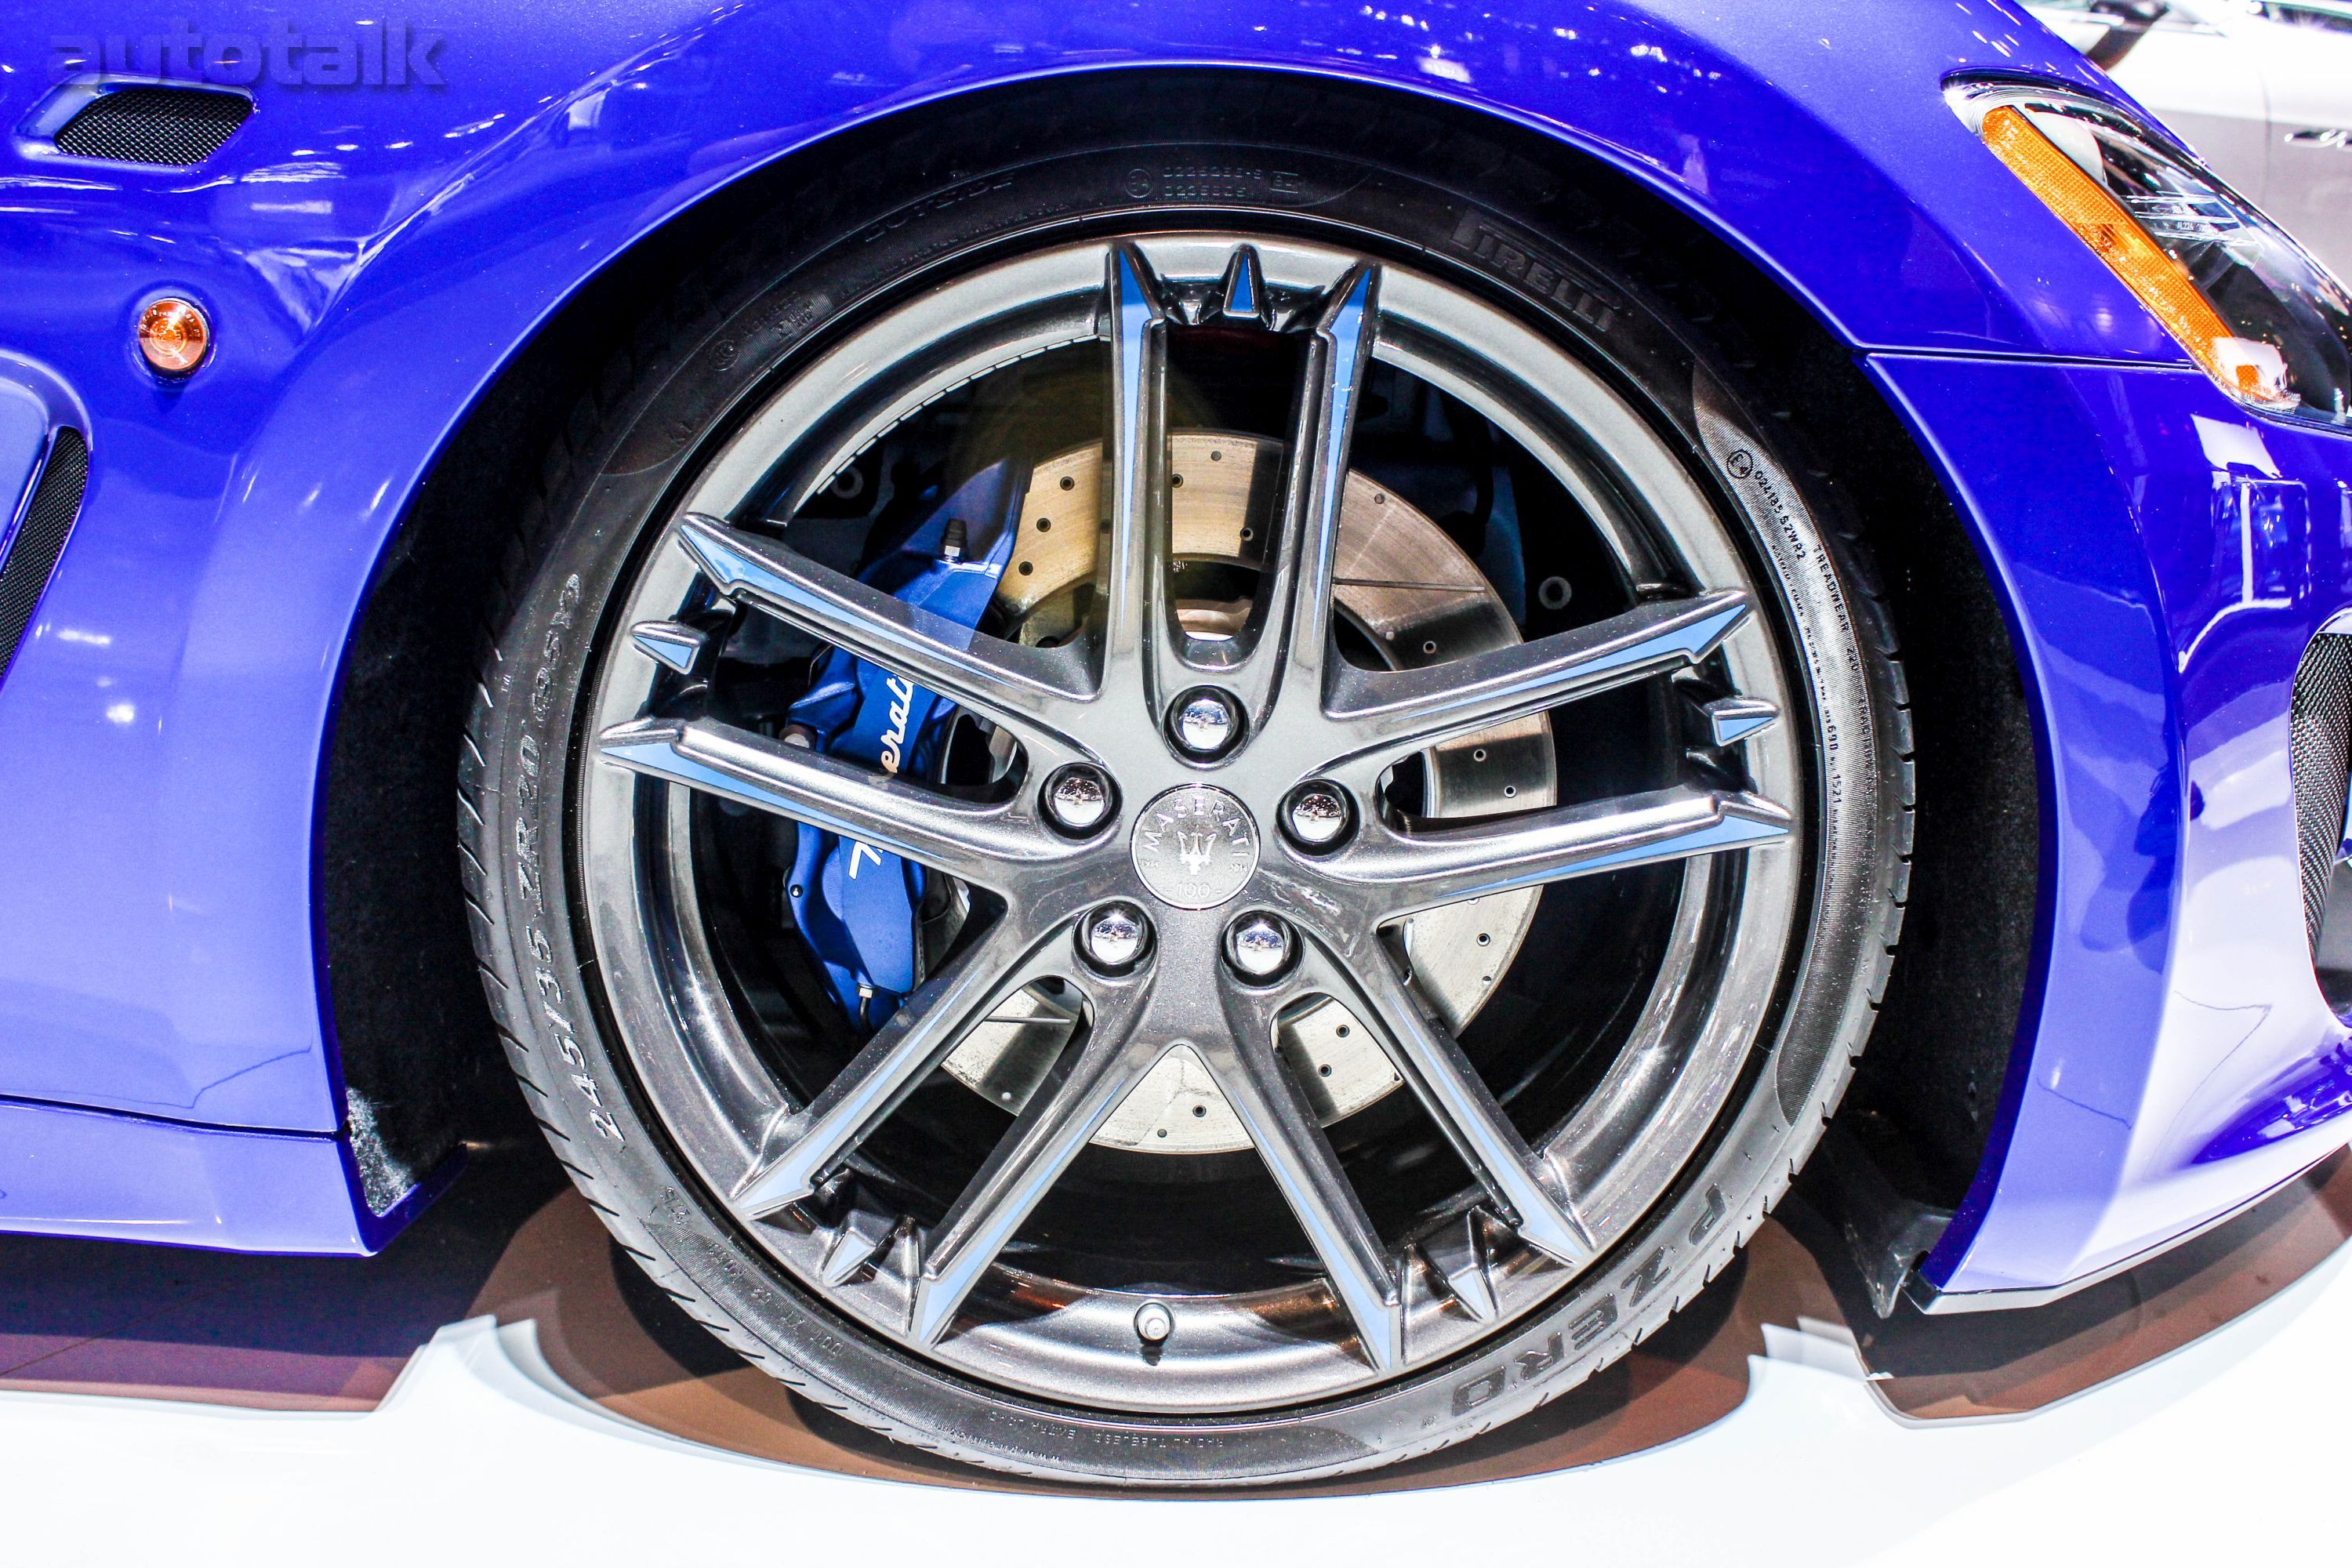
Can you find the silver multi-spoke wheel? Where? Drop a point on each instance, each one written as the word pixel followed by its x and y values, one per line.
pixel 1241 866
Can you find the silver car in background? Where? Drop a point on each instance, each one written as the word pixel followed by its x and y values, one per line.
pixel 2263 89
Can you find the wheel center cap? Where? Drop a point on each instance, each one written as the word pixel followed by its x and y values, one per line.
pixel 1194 847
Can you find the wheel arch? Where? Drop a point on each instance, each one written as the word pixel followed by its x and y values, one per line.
pixel 415 1048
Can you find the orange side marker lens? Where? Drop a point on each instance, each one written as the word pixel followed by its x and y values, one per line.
pixel 2253 369
pixel 174 335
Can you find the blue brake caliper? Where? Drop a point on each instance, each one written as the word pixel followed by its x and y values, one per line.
pixel 853 903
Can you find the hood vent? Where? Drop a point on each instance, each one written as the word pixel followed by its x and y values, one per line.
pixel 41 539
pixel 168 126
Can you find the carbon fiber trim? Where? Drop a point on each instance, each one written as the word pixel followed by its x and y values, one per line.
pixel 2321 730
pixel 40 539
pixel 172 126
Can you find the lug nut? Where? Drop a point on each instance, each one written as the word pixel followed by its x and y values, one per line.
pixel 1317 815
pixel 1113 937
pixel 1207 723
pixel 1078 799
pixel 1154 1323
pixel 1259 946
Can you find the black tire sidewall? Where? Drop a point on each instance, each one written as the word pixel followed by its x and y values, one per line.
pixel 697 366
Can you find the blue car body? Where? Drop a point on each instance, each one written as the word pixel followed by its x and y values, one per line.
pixel 375 255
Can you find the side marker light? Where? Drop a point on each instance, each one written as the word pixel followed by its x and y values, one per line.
pixel 174 335
pixel 2255 371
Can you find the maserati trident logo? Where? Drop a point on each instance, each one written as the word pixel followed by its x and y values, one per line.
pixel 1195 847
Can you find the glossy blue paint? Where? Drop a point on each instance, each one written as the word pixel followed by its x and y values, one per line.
pixel 2167 557
pixel 66 1172
pixel 2307 1095
pixel 25 432
pixel 373 257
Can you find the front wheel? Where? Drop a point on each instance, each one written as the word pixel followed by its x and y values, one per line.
pixel 1179 809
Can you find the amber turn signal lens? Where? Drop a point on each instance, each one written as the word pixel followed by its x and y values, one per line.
pixel 2254 370
pixel 174 335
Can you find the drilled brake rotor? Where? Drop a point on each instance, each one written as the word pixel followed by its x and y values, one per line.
pixel 1418 600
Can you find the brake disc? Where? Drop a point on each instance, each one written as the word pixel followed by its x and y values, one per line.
pixel 1419 600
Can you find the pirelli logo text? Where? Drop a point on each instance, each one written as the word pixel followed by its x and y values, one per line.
pixel 1501 253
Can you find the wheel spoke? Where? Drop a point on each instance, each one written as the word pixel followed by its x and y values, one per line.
pixel 800 1149
pixel 1142 664
pixel 1290 1140
pixel 1049 1134
pixel 1027 689
pixel 1386 712
pixel 983 843
pixel 1241 297
pixel 1430 1059
pixel 1409 872
pixel 1294 648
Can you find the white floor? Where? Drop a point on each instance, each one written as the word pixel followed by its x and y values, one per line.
pixel 2232 1449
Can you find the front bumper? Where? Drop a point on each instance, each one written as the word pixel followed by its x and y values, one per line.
pixel 2163 559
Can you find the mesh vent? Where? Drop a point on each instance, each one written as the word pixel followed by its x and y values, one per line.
pixel 2321 748
pixel 172 125
pixel 40 540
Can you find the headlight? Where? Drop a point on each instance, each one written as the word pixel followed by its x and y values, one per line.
pixel 2264 319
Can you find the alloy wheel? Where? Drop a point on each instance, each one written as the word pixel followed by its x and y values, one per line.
pixel 1200 839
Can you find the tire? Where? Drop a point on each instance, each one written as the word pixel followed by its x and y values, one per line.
pixel 944 196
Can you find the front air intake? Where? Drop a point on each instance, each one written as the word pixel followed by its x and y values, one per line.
pixel 2320 754
pixel 41 539
pixel 171 126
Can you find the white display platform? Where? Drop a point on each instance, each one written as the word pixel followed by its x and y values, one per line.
pixel 2233 1448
